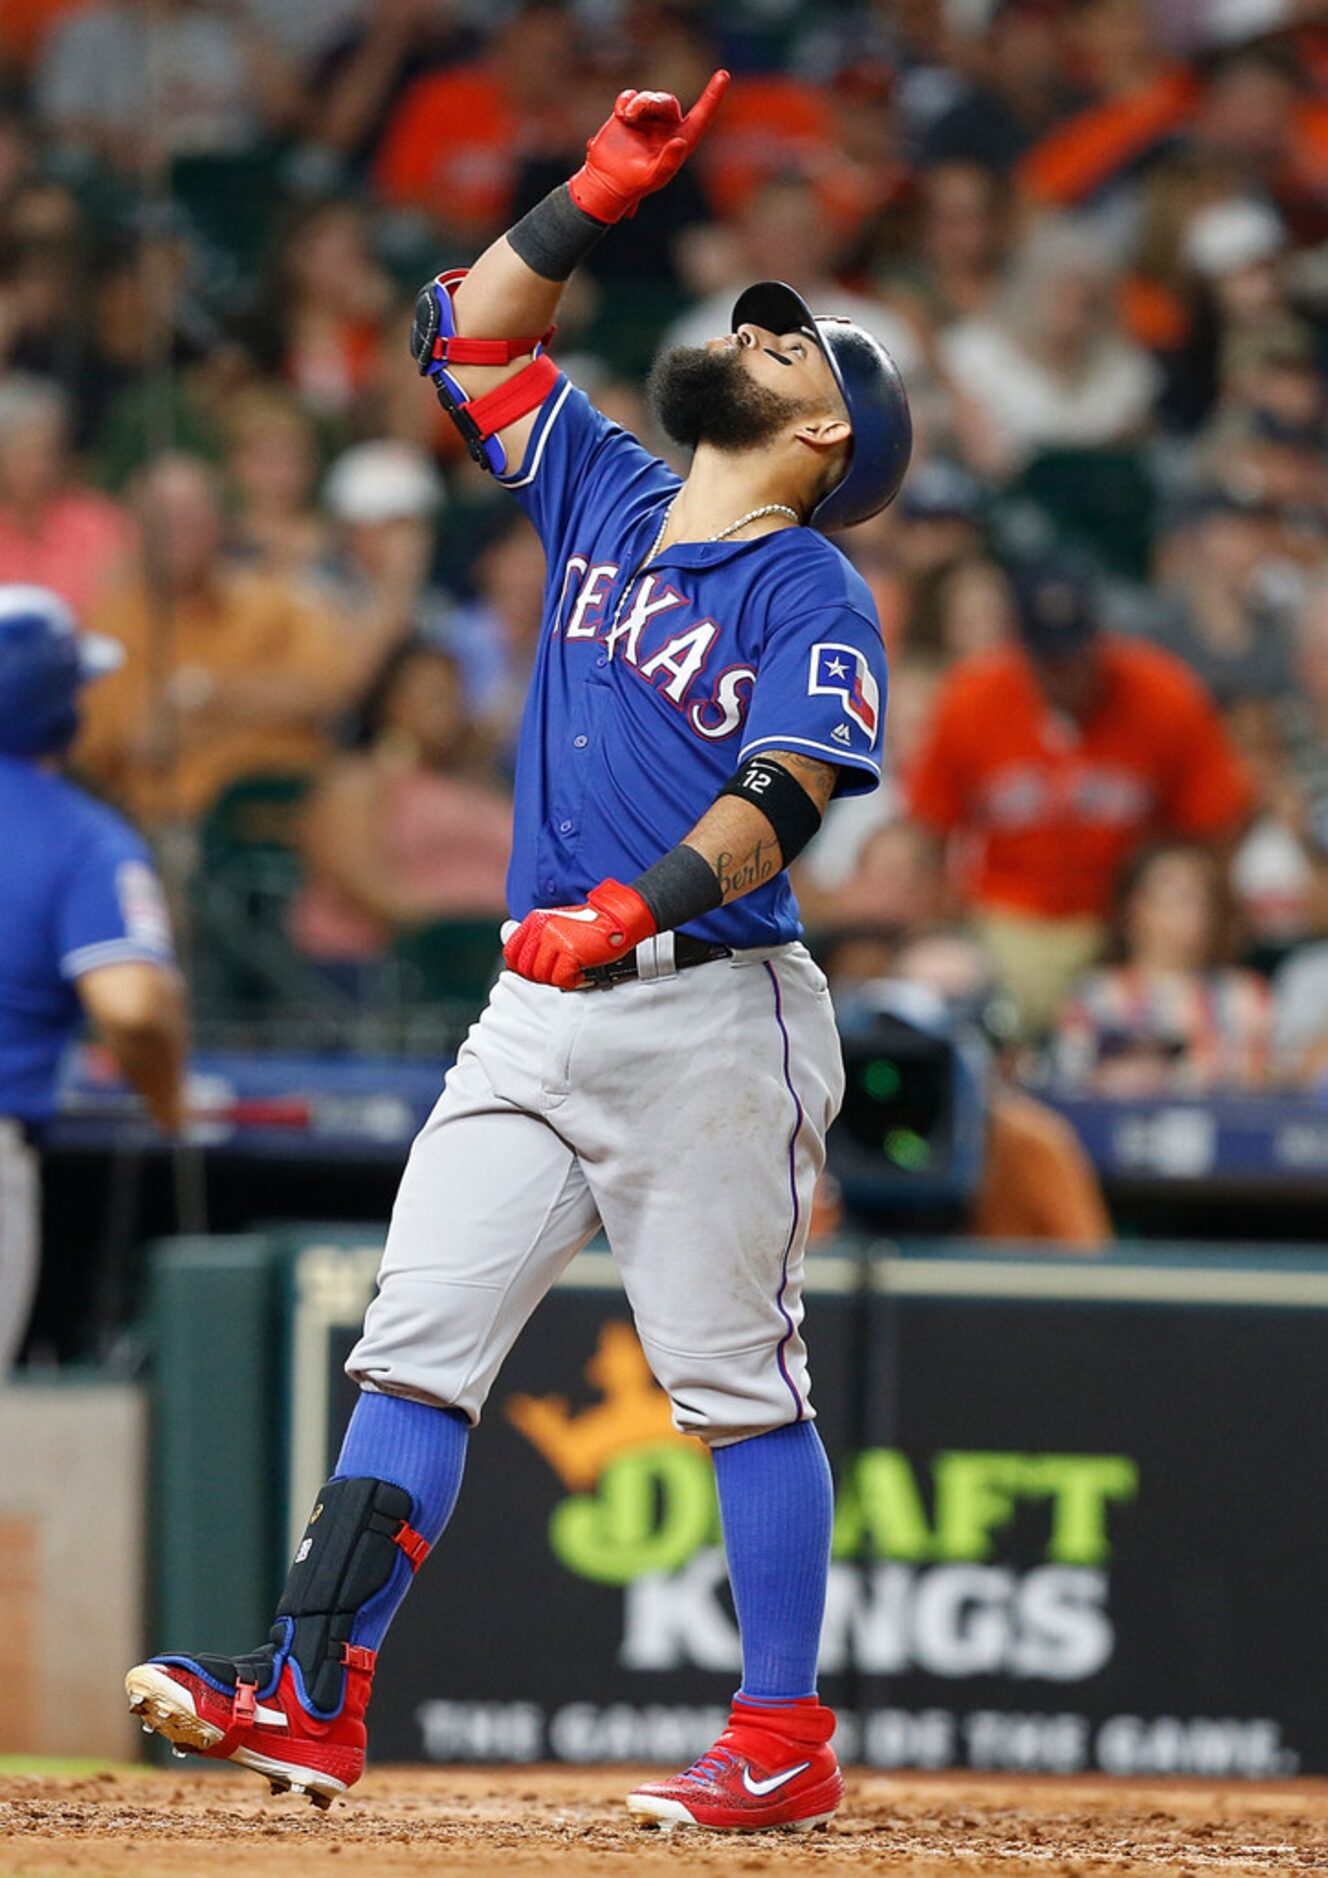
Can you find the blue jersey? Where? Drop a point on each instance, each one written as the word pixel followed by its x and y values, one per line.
pixel 641 709
pixel 79 892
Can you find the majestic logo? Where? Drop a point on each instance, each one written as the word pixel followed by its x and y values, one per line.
pixel 842 672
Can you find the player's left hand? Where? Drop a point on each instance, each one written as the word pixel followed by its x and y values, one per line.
pixel 556 945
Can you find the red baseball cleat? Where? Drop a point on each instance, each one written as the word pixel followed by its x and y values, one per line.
pixel 770 1767
pixel 250 1710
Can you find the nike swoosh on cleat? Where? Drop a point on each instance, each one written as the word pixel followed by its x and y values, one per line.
pixel 758 1787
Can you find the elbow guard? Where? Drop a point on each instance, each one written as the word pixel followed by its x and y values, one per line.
pixel 435 345
pixel 781 798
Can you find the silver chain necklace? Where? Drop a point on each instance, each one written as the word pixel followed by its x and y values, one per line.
pixel 720 534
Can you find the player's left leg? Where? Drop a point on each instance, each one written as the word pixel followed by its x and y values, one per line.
pixel 294 1709
pixel 491 1209
pixel 706 1195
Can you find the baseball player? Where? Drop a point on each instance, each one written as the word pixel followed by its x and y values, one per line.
pixel 660 1056
pixel 85 932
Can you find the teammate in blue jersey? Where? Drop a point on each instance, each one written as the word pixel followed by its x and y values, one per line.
pixel 660 1057
pixel 84 932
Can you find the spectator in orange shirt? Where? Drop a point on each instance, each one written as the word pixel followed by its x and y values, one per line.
pixel 453 145
pixel 25 25
pixel 54 532
pixel 775 125
pixel 1016 88
pixel 1260 114
pixel 368 67
pixel 1139 98
pixel 226 673
pixel 1049 762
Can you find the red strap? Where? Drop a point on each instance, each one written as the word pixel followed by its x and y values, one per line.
pixel 243 1710
pixel 413 1544
pixel 355 1656
pixel 456 349
pixel 520 394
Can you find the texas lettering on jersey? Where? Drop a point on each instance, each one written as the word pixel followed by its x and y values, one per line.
pixel 672 659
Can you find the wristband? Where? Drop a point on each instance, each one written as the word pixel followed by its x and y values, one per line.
pixel 556 236
pixel 781 798
pixel 679 887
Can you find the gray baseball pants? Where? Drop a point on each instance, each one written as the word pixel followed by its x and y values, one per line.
pixel 686 1113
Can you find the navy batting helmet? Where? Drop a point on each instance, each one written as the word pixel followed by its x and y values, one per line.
pixel 873 394
pixel 44 662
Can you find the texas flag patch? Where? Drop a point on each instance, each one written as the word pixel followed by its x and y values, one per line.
pixel 842 672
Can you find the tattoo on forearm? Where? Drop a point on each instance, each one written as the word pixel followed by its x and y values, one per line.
pixel 739 873
pixel 818 779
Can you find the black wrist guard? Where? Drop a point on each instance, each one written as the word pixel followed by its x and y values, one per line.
pixel 556 235
pixel 781 798
pixel 679 887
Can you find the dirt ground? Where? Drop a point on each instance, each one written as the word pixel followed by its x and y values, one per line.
pixel 529 1821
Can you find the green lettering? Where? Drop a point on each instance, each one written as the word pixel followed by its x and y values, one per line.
pixel 651 1510
pixel 1081 1486
pixel 975 1494
pixel 879 1506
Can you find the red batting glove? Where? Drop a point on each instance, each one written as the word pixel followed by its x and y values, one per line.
pixel 554 945
pixel 643 146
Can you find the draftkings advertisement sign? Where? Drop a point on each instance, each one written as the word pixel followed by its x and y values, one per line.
pixel 1072 1532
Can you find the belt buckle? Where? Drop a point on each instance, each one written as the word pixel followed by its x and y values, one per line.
pixel 605 977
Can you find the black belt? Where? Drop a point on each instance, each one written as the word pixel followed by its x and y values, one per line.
pixel 686 952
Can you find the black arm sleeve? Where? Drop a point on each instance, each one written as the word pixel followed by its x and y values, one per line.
pixel 682 885
pixel 781 798
pixel 556 236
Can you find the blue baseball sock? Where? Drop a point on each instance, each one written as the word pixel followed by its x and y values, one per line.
pixel 415 1446
pixel 776 1505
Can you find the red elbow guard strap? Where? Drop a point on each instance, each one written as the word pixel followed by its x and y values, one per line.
pixel 507 402
pixel 453 349
pixel 437 347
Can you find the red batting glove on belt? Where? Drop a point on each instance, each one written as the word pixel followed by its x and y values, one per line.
pixel 554 945
pixel 643 146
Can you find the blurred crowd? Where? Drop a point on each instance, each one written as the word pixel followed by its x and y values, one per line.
pixel 1094 234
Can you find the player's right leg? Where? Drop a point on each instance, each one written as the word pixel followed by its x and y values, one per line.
pixel 720 1320
pixel 492 1207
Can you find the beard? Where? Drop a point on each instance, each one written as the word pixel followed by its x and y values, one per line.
pixel 700 396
